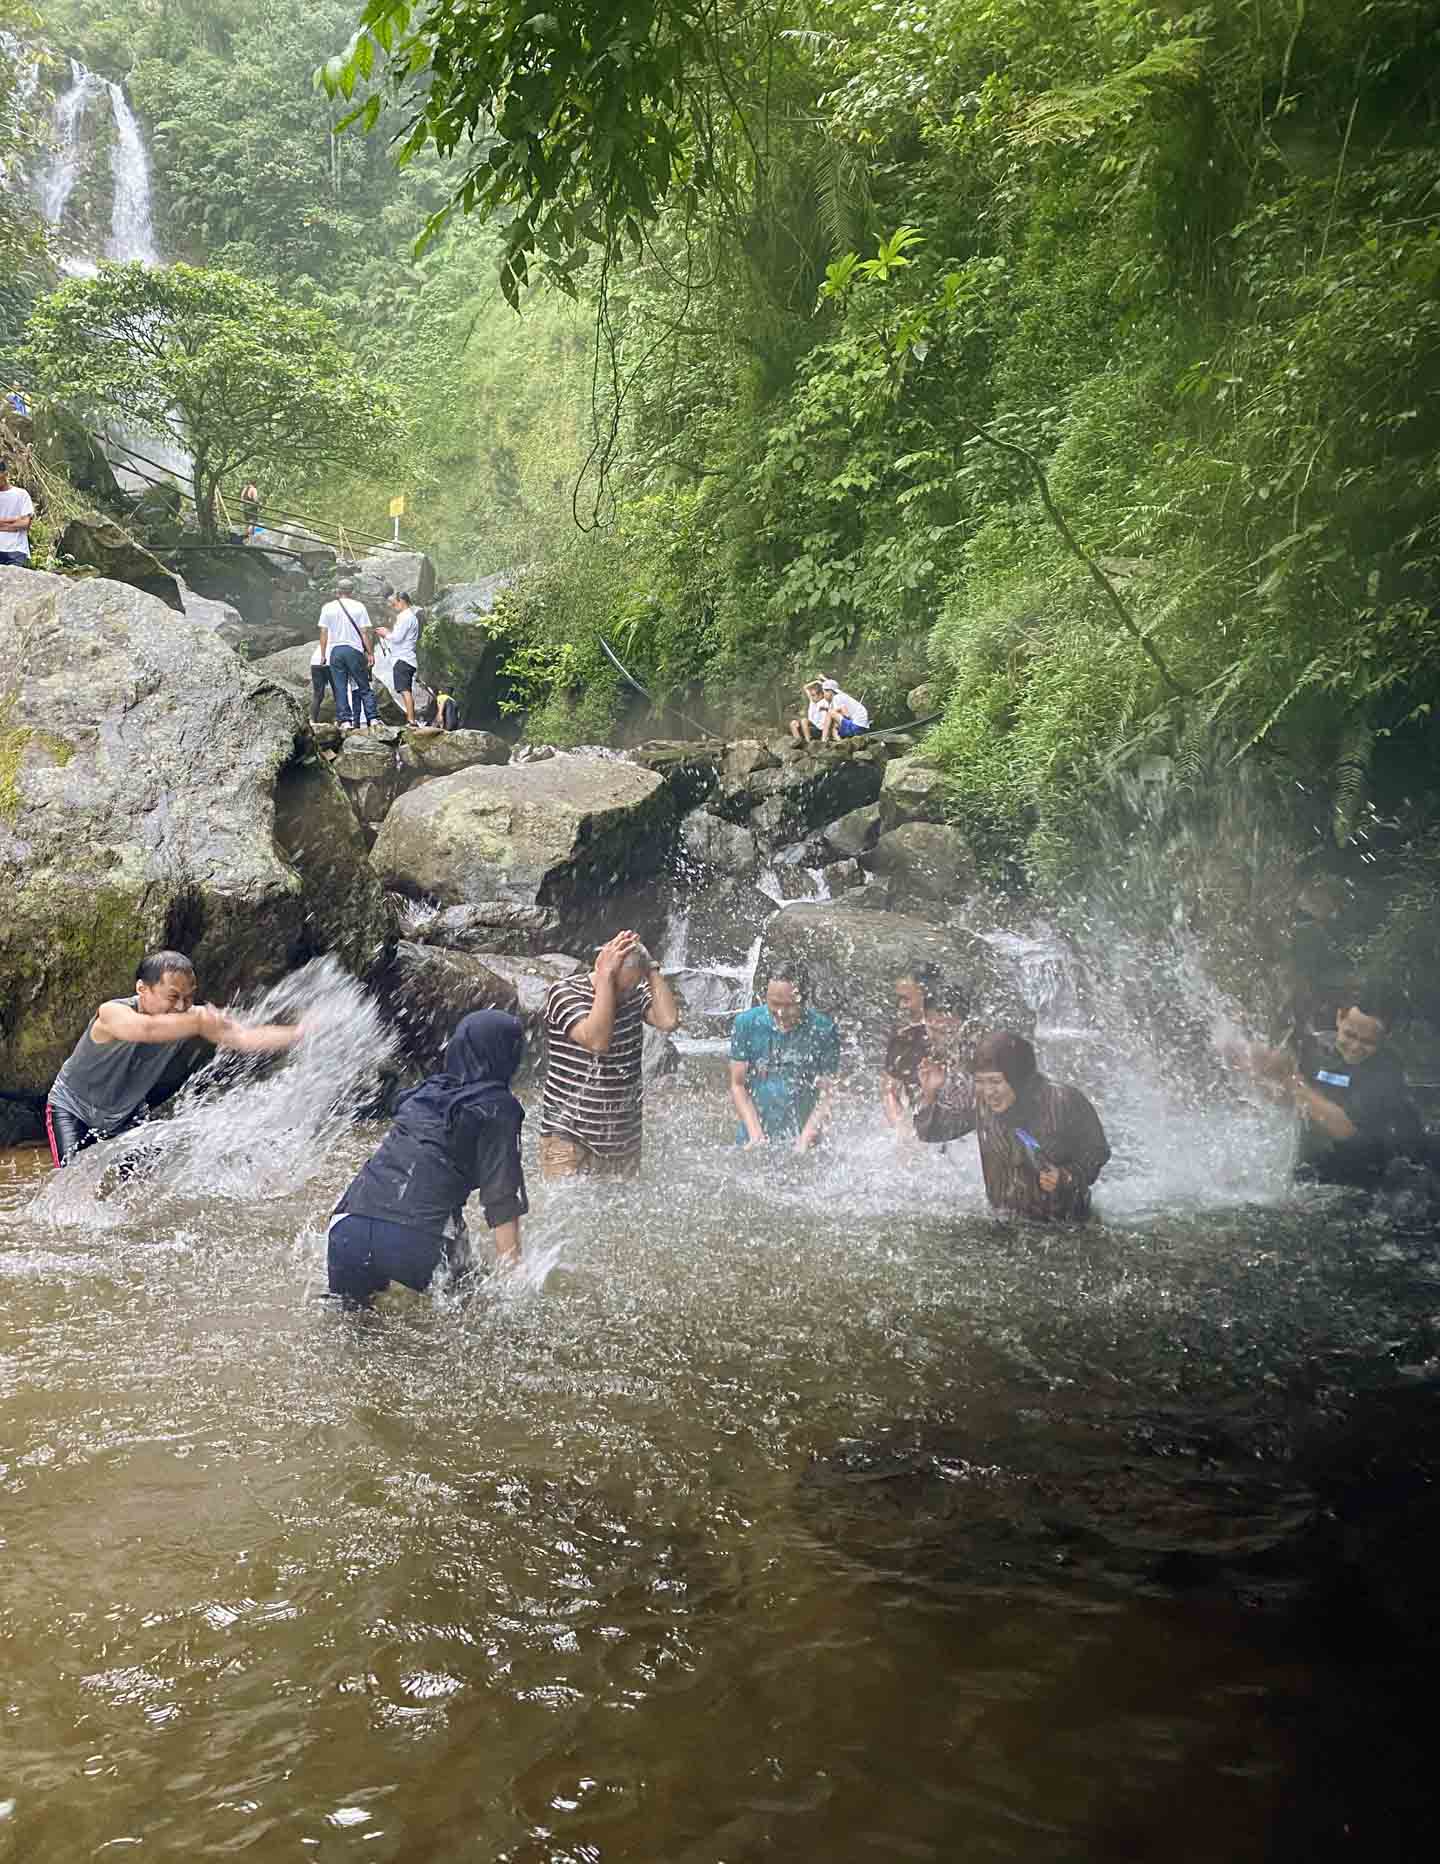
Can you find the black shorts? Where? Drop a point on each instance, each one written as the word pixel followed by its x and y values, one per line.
pixel 404 677
pixel 68 1134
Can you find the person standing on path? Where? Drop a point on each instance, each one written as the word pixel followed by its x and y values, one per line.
pixel 1041 1144
pixel 457 1133
pixel 784 1058
pixel 592 1114
pixel 403 636
pixel 250 507
pixel 17 509
pixel 131 1044
pixel 346 640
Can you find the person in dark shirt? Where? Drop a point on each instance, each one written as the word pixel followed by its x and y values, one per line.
pixel 930 1023
pixel 1355 1109
pixel 1041 1145
pixel 458 1132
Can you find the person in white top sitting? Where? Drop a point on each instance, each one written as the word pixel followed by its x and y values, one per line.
pixel 346 643
pixel 846 718
pixel 16 511
pixel 403 639
pixel 817 710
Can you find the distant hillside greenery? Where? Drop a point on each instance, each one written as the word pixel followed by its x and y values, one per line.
pixel 1079 355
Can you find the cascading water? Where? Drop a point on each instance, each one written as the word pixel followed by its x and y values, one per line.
pixel 77 121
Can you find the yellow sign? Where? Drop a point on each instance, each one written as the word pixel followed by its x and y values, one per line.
pixel 397 506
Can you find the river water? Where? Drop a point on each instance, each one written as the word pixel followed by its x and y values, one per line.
pixel 781 1509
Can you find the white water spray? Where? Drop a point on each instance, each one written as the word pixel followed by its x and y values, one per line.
pixel 244 1129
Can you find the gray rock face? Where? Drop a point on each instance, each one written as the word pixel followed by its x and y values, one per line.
pixel 718 847
pixel 784 799
pixel 493 926
pixel 410 570
pixel 854 956
pixel 571 834
pixel 139 762
pixel 102 544
pixel 217 617
pixel 531 978
pixel 691 767
pixel 428 991
pixel 368 774
pixel 441 754
pixel 290 668
pixel 464 601
pixel 343 905
pixel 925 861
pixel 853 833
pixel 912 791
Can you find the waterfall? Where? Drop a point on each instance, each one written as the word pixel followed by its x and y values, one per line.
pixel 57 183
pixel 131 236
pixel 132 231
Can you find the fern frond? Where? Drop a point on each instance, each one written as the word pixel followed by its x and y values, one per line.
pixel 1350 781
pixel 1078 112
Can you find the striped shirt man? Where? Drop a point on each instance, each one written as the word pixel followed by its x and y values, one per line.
pixel 594 1100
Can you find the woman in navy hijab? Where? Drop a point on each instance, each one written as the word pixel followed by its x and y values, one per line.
pixel 456 1133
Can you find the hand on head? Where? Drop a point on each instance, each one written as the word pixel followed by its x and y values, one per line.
pixel 622 950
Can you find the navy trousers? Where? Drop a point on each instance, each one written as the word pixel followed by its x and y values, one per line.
pixel 365 1254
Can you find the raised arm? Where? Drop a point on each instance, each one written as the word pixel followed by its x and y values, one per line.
pixel 259 1039
pixel 117 1022
pixel 664 1010
pixel 595 1028
pixel 947 1104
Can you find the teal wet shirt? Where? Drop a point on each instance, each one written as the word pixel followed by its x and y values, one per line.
pixel 783 1067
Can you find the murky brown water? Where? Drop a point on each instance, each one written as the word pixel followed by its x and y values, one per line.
pixel 548 1577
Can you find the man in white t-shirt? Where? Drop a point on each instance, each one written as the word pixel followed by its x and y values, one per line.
pixel 346 639
pixel 16 510
pixel 403 640
pixel 847 718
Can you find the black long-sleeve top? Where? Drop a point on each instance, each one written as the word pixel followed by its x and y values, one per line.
pixel 1048 1125
pixel 424 1171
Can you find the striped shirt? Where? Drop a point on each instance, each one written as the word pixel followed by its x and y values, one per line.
pixel 596 1099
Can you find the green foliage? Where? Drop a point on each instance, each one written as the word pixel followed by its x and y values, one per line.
pixel 581 119
pixel 215 362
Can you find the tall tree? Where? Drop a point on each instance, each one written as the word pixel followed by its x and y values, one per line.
pixel 217 363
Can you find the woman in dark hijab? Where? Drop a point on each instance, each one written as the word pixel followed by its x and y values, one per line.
pixel 1041 1145
pixel 458 1132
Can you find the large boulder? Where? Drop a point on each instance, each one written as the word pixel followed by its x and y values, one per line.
pixel 531 978
pixel 425 754
pixel 491 926
pixel 410 570
pixel 691 767
pixel 343 906
pixel 64 443
pixel 217 617
pixel 427 991
pixel 102 545
pixel 710 846
pixel 571 833
pixel 784 798
pixel 925 861
pixel 367 772
pixel 278 608
pixel 854 956
pixel 854 833
pixel 139 766
pixel 290 668
pixel 913 790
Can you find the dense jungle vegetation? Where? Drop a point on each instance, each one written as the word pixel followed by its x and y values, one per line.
pixel 1079 357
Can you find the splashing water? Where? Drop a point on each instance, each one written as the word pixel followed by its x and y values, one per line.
pixel 245 1128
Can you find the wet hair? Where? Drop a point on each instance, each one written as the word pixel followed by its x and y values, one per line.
pixel 156 966
pixel 1374 1001
pixel 1003 1052
pixel 790 971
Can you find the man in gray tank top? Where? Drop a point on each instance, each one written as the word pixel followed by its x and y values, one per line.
pixel 130 1046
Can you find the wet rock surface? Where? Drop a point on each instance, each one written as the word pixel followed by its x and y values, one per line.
pixel 912 791
pixel 440 754
pixel 853 956
pixel 574 834
pixel 488 926
pixel 137 808
pixel 925 861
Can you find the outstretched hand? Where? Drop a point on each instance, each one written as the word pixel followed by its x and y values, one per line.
pixel 932 1078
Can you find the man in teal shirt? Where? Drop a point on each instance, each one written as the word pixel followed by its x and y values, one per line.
pixel 783 1062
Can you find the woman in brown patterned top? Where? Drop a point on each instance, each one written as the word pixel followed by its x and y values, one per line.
pixel 1041 1145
